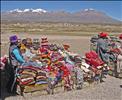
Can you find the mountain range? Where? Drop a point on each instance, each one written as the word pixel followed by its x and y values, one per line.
pixel 40 15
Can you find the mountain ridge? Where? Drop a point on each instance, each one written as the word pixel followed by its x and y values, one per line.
pixel 40 15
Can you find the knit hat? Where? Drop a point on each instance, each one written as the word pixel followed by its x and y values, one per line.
pixel 44 40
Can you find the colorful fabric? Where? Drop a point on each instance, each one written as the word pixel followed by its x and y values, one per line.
pixel 31 75
pixel 65 70
pixel 93 59
pixel 120 36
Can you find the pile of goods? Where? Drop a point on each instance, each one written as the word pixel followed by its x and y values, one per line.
pixel 50 65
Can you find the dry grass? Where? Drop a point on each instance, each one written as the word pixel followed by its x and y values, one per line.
pixel 59 28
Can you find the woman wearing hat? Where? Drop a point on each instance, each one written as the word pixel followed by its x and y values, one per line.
pixel 16 59
pixel 103 47
pixel 104 51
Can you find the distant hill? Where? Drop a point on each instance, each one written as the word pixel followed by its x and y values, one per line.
pixel 41 15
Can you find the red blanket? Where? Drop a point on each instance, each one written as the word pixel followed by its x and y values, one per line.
pixel 93 59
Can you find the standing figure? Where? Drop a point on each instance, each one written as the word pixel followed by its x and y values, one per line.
pixel 102 47
pixel 79 76
pixel 16 59
pixel 104 51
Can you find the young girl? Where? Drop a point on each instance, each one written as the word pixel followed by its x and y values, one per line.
pixel 79 76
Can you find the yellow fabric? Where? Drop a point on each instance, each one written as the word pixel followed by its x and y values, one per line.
pixel 22 47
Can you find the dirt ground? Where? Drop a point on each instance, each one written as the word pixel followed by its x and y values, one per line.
pixel 79 44
pixel 108 90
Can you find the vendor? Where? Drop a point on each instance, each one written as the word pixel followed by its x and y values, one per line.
pixel 16 60
pixel 103 49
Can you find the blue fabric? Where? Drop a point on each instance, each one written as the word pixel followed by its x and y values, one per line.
pixel 69 61
pixel 18 56
pixel 31 63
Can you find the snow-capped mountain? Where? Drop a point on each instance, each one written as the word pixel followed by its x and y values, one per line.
pixel 40 15
pixel 89 9
pixel 39 10
pixel 28 10
pixel 15 10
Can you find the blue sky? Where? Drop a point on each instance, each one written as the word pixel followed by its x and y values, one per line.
pixel 112 8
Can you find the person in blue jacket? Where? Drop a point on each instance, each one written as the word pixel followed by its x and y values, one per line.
pixel 16 59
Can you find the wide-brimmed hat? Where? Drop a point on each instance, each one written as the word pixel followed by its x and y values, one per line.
pixel 13 39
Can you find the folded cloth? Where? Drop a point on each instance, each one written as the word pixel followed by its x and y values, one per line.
pixel 31 68
pixel 41 82
pixel 27 74
pixel 41 73
pixel 31 63
pixel 26 81
pixel 84 69
pixel 41 78
pixel 28 70
pixel 38 80
pixel 85 64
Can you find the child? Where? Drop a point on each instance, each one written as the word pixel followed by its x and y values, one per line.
pixel 79 76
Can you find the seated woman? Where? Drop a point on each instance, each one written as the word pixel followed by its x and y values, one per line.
pixel 30 57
